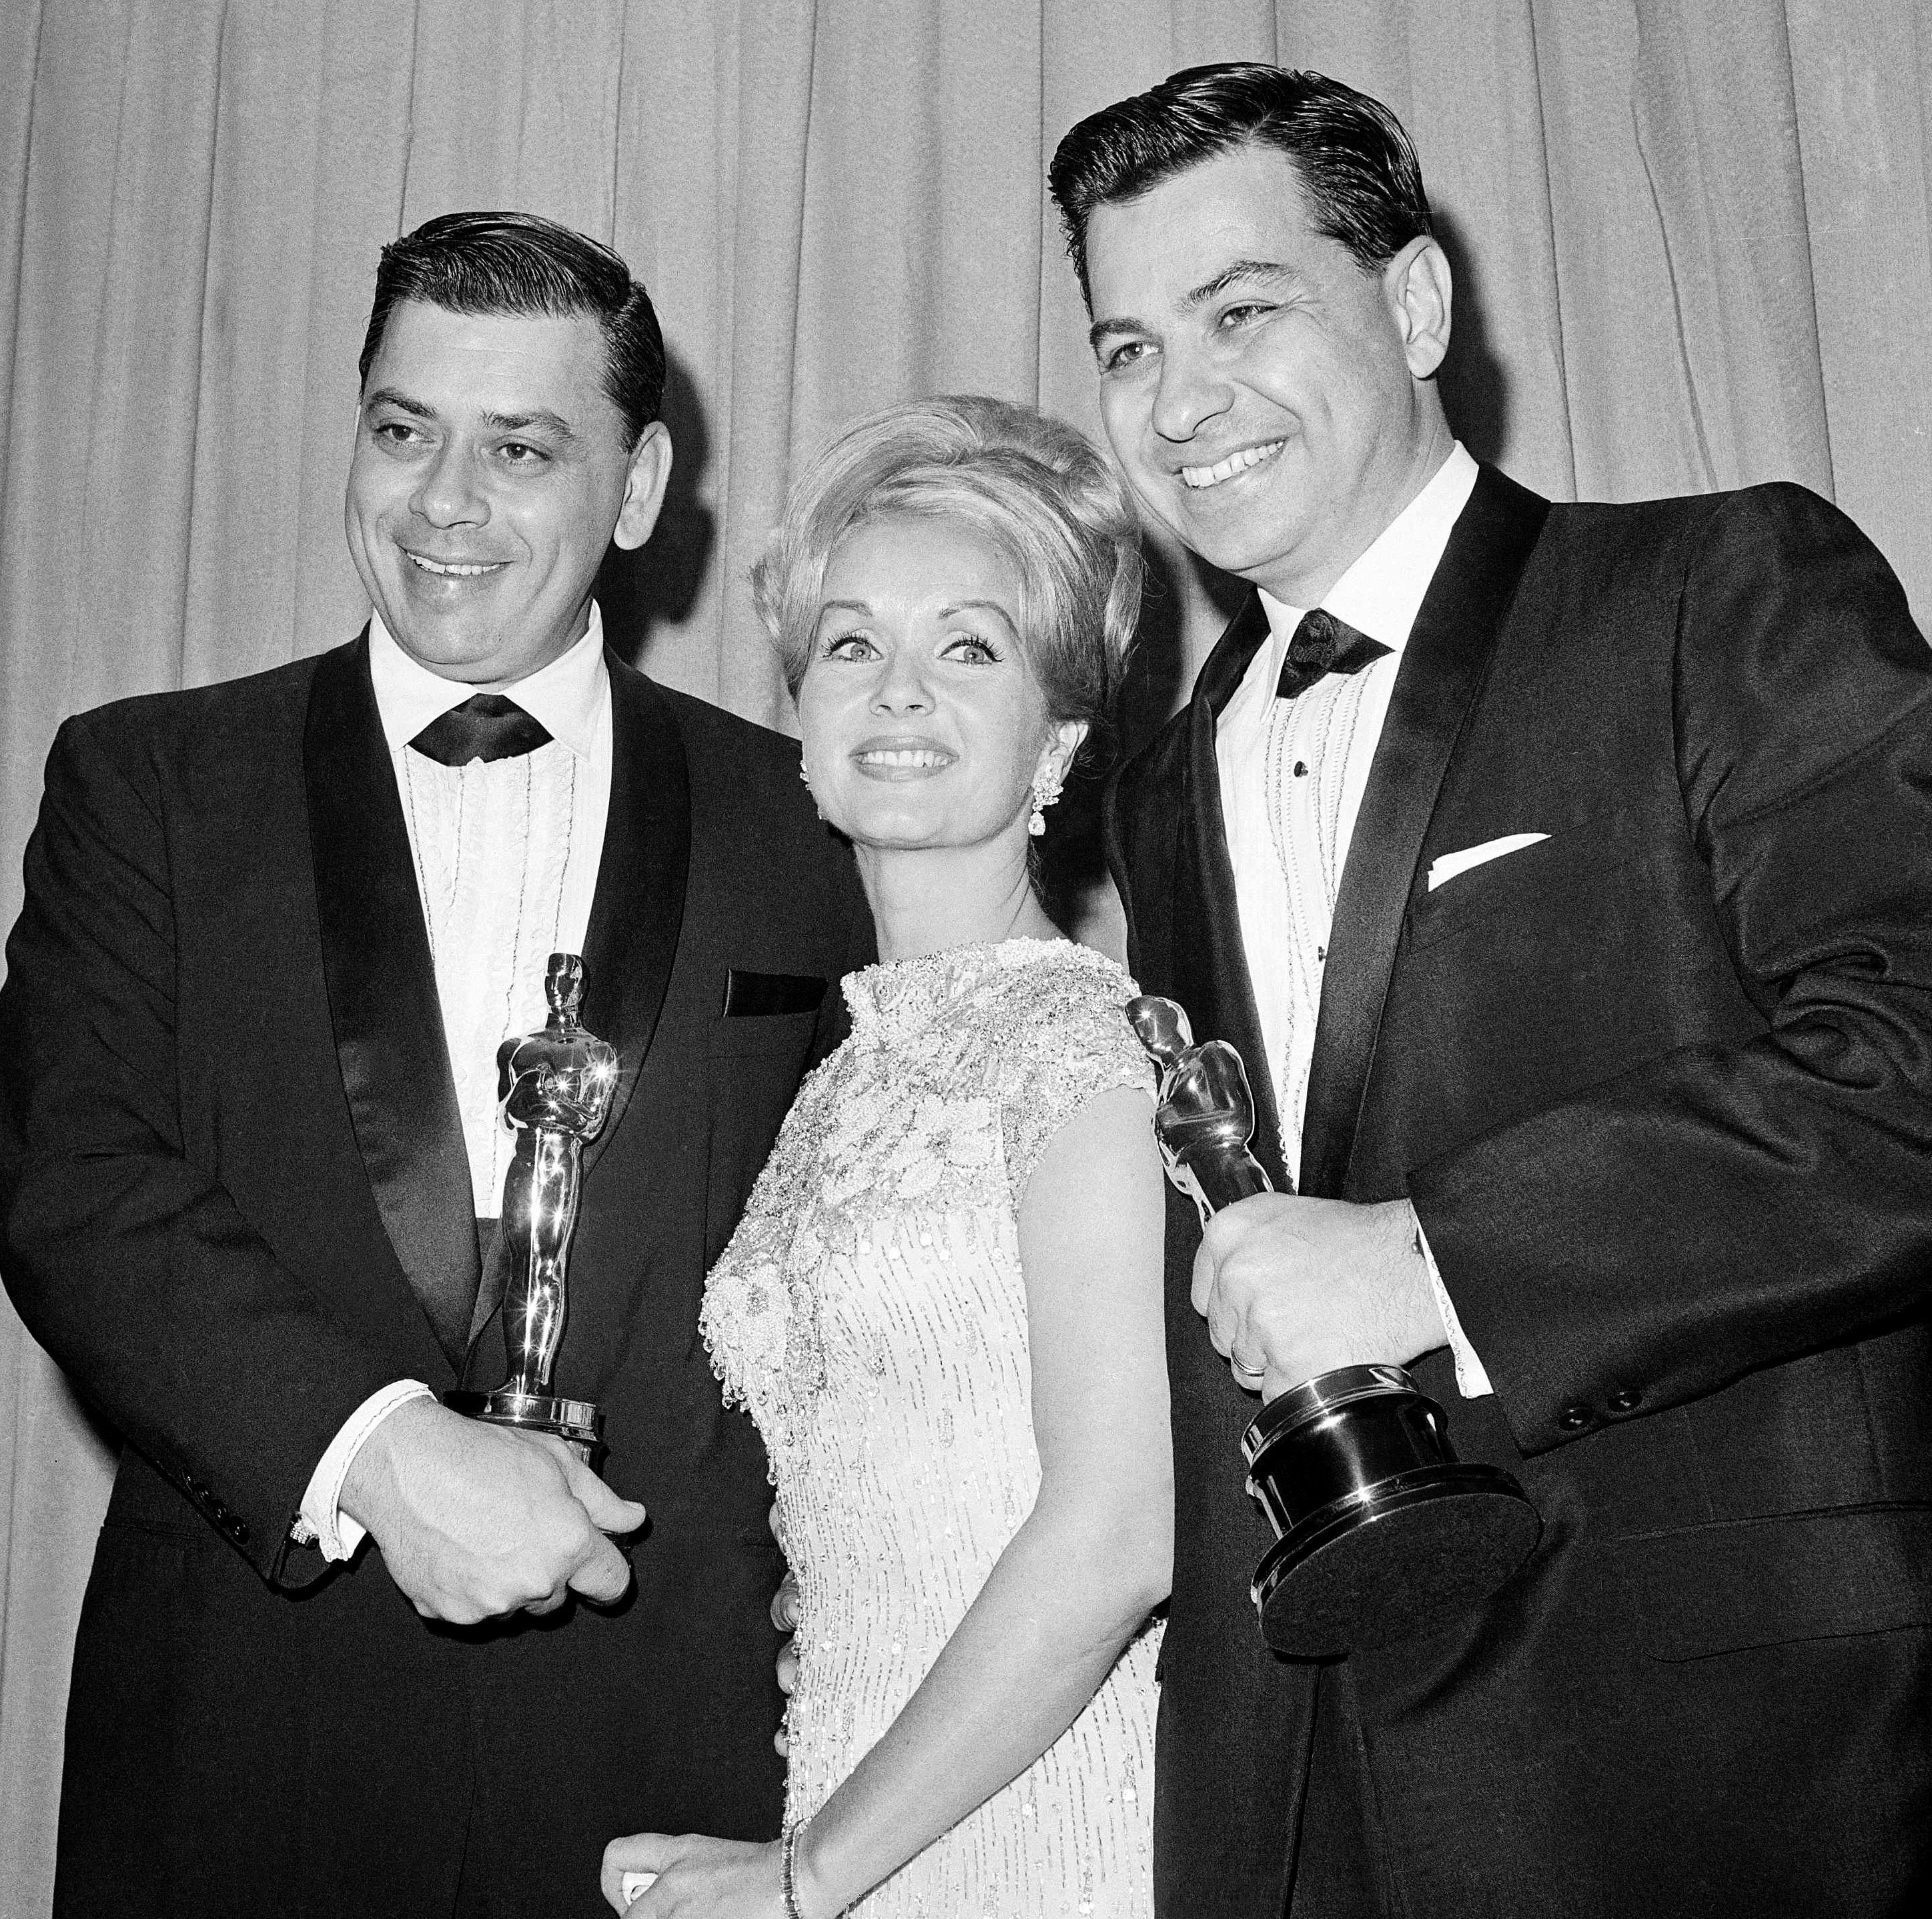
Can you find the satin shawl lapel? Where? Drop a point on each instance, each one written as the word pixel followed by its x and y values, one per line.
pixel 638 910
pixel 1442 668
pixel 1209 967
pixel 382 997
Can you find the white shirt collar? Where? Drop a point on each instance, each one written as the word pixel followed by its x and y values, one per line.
pixel 1381 594
pixel 566 696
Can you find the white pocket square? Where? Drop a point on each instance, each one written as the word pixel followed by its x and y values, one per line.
pixel 1450 864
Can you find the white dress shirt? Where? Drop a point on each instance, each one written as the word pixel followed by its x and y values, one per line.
pixel 1293 773
pixel 506 855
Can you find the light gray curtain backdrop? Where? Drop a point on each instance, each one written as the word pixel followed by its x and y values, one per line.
pixel 1690 239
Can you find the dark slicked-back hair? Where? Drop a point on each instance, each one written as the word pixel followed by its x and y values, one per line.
pixel 1357 168
pixel 523 264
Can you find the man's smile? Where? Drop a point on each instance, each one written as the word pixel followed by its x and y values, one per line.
pixel 456 570
pixel 1199 477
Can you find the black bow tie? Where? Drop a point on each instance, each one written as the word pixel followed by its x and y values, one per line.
pixel 486 726
pixel 1322 644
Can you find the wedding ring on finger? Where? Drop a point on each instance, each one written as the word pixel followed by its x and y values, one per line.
pixel 1246 1373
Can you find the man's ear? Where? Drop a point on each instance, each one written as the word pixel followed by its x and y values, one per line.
pixel 644 486
pixel 1418 286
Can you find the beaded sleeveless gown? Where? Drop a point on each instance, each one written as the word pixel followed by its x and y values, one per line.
pixel 870 1313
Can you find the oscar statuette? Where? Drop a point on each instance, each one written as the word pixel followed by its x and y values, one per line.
pixel 553 1089
pixel 1381 1532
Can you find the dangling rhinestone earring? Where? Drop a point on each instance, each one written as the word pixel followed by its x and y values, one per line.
pixel 1046 791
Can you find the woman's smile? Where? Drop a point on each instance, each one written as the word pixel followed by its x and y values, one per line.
pixel 901 759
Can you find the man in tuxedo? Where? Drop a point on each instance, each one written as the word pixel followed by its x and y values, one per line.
pixel 1560 872
pixel 274 932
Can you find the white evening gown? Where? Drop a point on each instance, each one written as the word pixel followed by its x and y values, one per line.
pixel 870 1312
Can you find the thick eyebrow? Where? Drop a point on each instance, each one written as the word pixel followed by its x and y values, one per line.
pixel 1101 329
pixel 1265 272
pixel 388 396
pixel 540 417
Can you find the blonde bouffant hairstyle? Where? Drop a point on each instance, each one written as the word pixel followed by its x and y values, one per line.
pixel 1035 489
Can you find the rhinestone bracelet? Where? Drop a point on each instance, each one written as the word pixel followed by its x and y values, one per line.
pixel 788 1868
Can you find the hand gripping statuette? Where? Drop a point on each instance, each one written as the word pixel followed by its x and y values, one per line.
pixel 553 1090
pixel 1381 1532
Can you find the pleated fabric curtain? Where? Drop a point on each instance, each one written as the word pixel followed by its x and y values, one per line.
pixel 1690 239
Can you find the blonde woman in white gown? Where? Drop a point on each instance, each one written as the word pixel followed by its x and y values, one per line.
pixel 942 1306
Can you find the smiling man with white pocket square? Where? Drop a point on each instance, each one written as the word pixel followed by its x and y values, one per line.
pixel 1561 872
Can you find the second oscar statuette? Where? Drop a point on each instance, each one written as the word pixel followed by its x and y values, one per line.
pixel 1380 1531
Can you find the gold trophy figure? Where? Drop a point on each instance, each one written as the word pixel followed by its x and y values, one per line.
pixel 553 1089
pixel 1381 1532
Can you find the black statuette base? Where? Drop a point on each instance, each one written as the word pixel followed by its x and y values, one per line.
pixel 1380 1531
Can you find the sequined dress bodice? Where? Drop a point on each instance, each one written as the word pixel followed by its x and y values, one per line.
pixel 871 1312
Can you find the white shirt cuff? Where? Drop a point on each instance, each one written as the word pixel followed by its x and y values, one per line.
pixel 322 1521
pixel 1471 1381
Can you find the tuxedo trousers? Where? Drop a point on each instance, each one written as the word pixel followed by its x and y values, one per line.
pixel 1341 1859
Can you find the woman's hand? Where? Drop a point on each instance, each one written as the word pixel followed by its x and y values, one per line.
pixel 785 1616
pixel 697 1878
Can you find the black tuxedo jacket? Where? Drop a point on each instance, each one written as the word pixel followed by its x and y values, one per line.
pixel 1658 1087
pixel 233 1173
